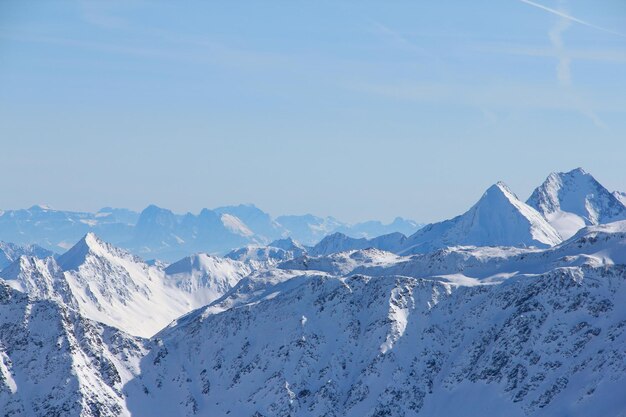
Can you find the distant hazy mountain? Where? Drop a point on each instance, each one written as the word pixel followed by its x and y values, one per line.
pixel 159 233
pixel 574 199
pixel 310 229
pixel 58 230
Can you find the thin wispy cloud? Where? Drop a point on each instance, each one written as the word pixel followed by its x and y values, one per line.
pixel 571 18
pixel 563 73
pixel 564 60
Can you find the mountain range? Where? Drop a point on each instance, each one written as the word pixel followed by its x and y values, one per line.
pixel 159 233
pixel 493 312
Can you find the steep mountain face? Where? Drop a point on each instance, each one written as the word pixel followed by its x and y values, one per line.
pixel 319 345
pixel 40 278
pixel 499 218
pixel 9 252
pixel 109 285
pixel 621 196
pixel 53 362
pixel 571 200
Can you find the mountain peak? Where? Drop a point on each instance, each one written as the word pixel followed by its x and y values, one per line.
pixel 500 187
pixel 499 218
pixel 90 244
pixel 574 199
pixel 499 193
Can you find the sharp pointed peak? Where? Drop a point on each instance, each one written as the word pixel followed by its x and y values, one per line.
pixel 499 189
pixel 90 244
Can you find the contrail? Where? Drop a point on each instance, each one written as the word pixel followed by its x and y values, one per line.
pixel 572 18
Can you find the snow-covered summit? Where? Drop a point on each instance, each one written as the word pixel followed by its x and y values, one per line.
pixel 574 199
pixel 92 245
pixel 499 218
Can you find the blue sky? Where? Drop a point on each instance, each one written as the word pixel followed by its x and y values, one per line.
pixel 355 109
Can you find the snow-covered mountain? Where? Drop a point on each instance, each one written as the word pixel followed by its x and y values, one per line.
pixel 499 218
pixel 114 287
pixel 574 199
pixel 9 252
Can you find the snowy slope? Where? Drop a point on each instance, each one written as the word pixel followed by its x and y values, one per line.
pixel 327 346
pixel 571 200
pixel 53 362
pixel 499 218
